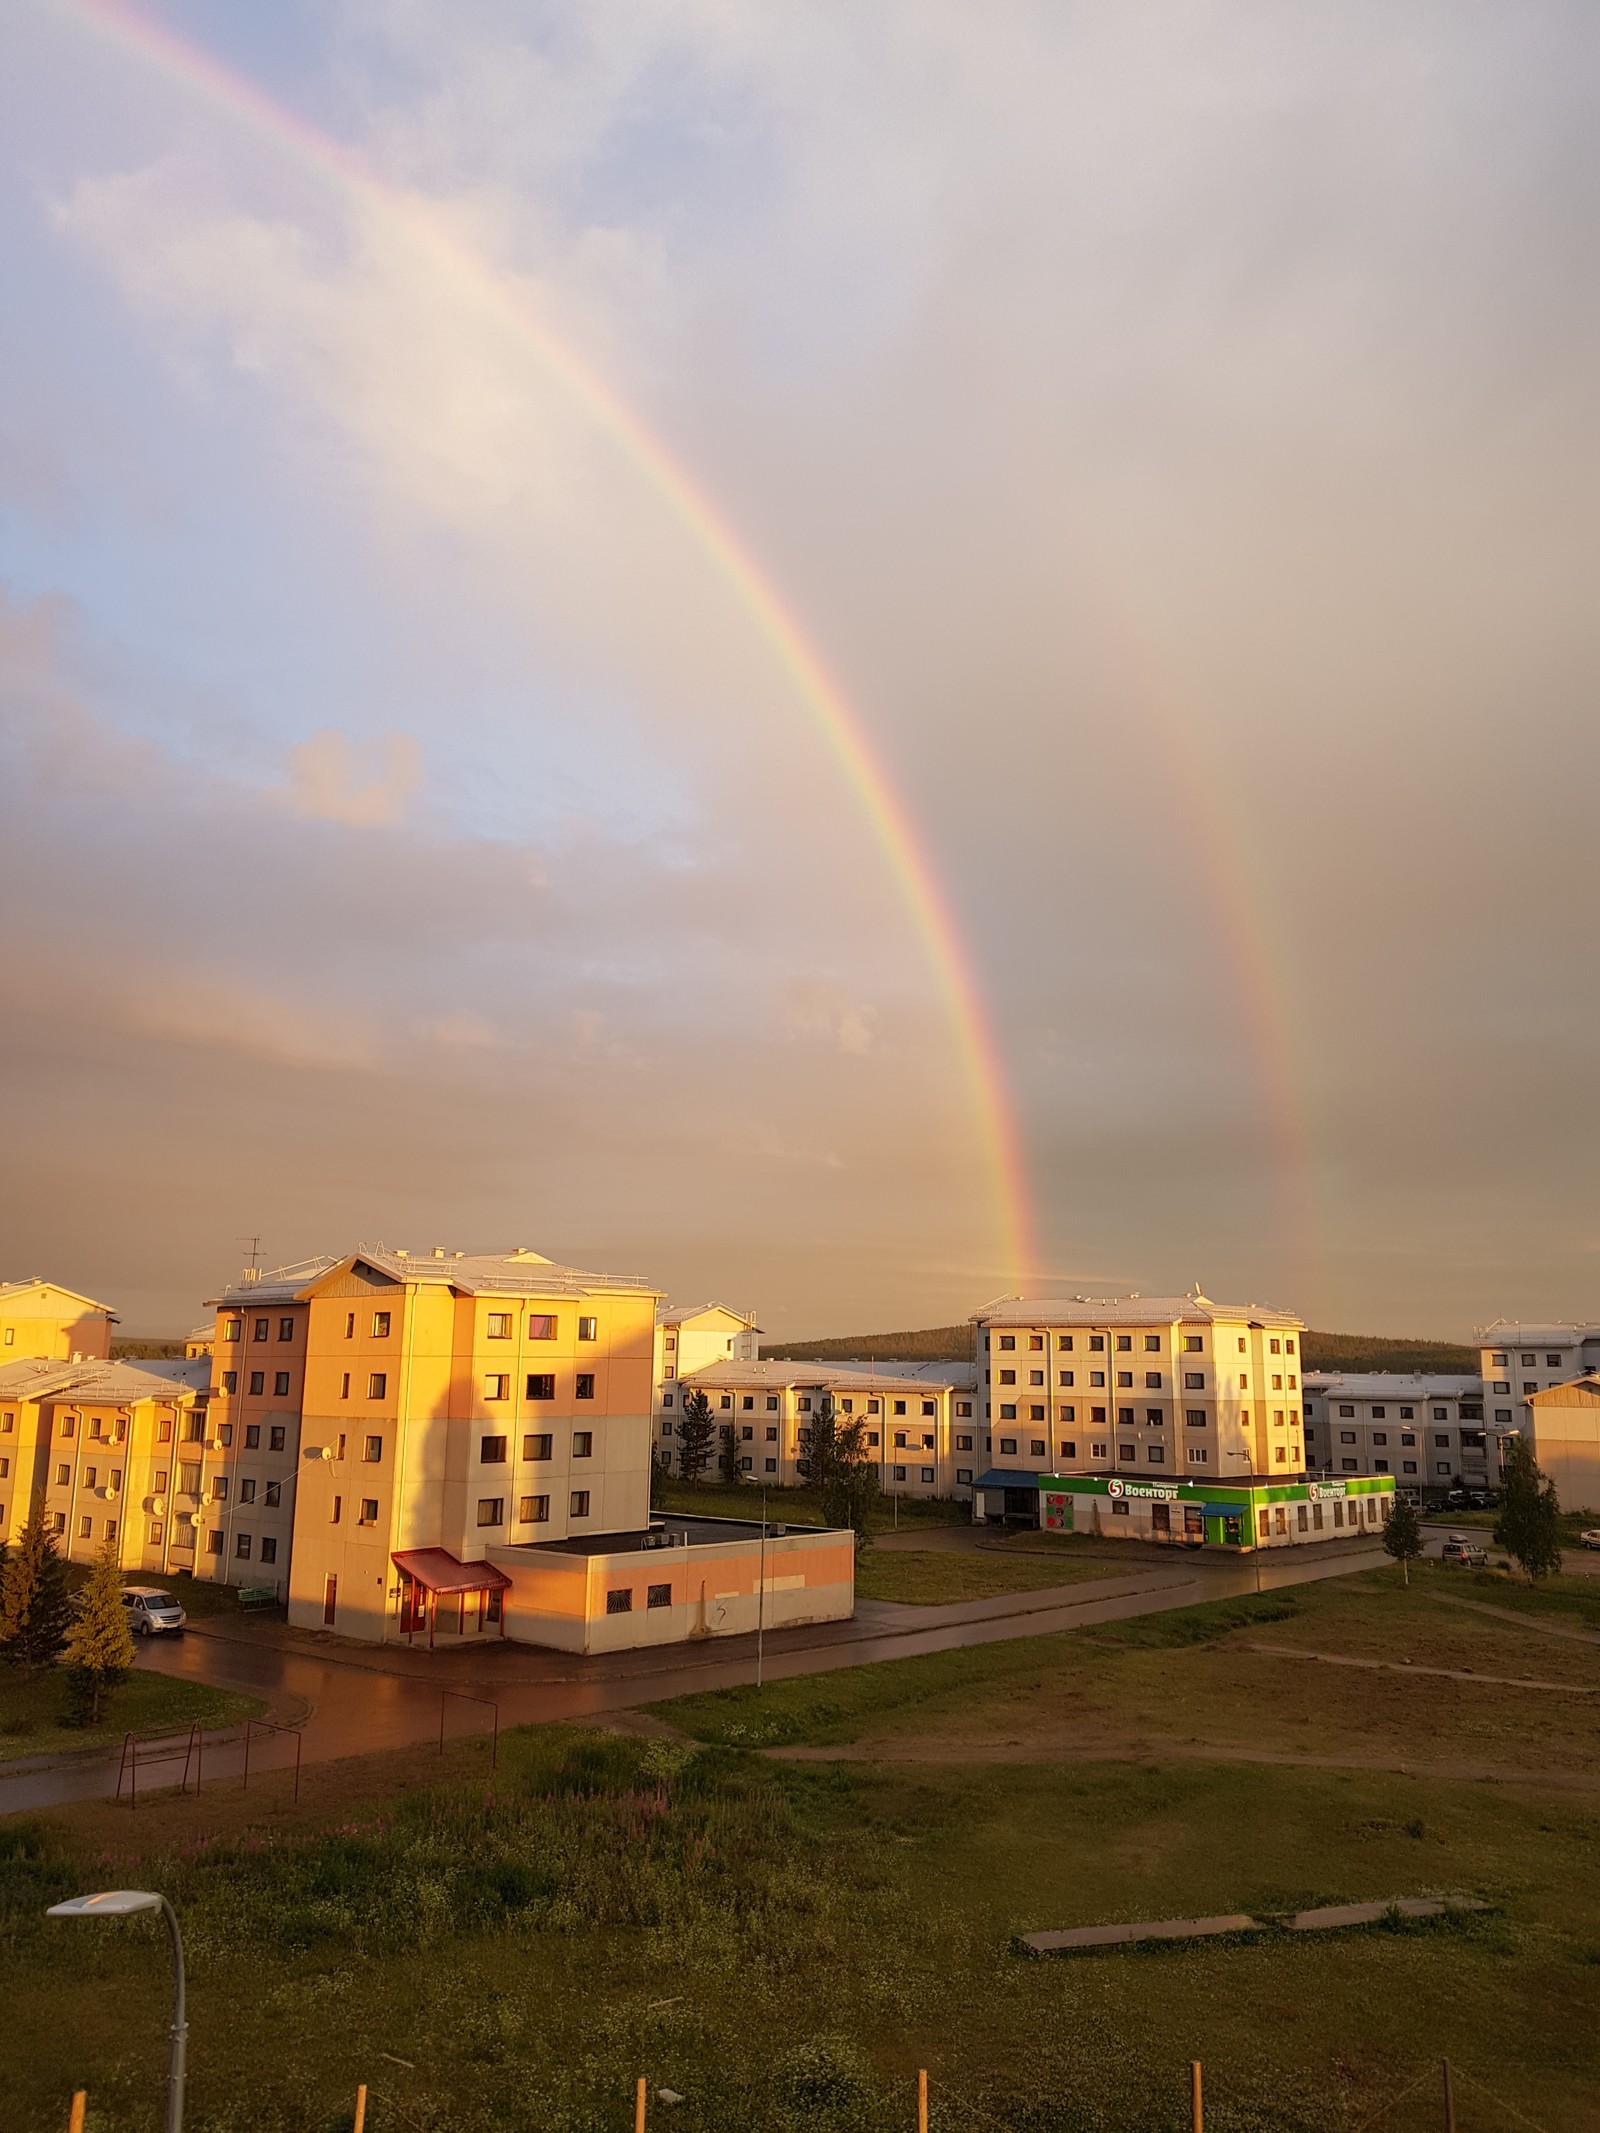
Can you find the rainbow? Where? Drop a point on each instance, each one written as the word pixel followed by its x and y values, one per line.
pixel 205 77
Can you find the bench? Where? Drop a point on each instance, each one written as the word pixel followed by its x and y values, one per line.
pixel 258 1595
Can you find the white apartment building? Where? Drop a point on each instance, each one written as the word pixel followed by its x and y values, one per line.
pixel 1520 1360
pixel 1150 1384
pixel 691 1336
pixel 920 1424
pixel 1427 1431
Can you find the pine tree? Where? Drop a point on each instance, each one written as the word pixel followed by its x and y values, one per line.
pixel 695 1432
pixel 728 1460
pixel 100 1643
pixel 815 1464
pixel 1529 1525
pixel 1402 1533
pixel 35 1606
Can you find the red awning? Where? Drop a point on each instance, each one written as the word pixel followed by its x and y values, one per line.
pixel 440 1571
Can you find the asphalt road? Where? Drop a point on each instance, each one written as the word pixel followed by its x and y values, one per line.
pixel 355 1700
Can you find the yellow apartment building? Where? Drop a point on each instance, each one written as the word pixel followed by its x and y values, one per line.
pixel 1174 1386
pixel 40 1318
pixel 436 1404
pixel 921 1430
pixel 690 1336
pixel 109 1452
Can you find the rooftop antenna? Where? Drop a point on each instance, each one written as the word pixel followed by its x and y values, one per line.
pixel 252 1268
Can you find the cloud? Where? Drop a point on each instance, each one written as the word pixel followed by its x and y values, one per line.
pixel 333 780
pixel 814 1007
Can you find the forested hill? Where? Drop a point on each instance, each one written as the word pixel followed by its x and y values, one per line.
pixel 953 1344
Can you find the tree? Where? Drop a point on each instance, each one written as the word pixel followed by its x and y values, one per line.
pixel 35 1606
pixel 850 1488
pixel 695 1432
pixel 728 1458
pixel 1529 1525
pixel 816 1461
pixel 1402 1533
pixel 100 1643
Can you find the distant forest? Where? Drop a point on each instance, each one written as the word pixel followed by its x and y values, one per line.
pixel 147 1351
pixel 953 1344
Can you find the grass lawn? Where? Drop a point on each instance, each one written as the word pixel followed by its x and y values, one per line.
pixel 1234 1674
pixel 928 1577
pixel 146 1704
pixel 796 1507
pixel 784 1945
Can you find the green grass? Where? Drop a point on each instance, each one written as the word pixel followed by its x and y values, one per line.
pixel 145 1703
pixel 785 1945
pixel 795 1507
pixel 934 1577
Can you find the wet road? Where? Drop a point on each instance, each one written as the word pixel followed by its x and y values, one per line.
pixel 359 1703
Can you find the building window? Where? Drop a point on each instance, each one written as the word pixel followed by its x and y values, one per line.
pixel 280 1384
pixel 1064 1343
pixel 580 1503
pixel 286 1329
pixel 213 1544
pixel 252 1436
pixel 1124 1381
pixel 586 1329
pixel 155 1533
pixel 377 1385
pixel 1441 1466
pixel 620 1601
pixel 241 1546
pixel 963 1444
pixel 1156 1454
pixel 534 1510
pixel 1379 1466
pixel 1282 1459
pixel 927 1474
pixel 1035 1414
pixel 1037 1449
pixel 1194 1381
pixel 491 1510
pixel 272 1495
pixel 1008 1447
pixel 658 1596
pixel 1152 1381
pixel 1198 1455
pixel 1408 1466
pixel 1347 1436
pixel 583 1444
pixel 542 1386
pixel 1124 1343
pixel 538 1446
pixel 258 1381
pixel 85 1528
pixel 497 1326
pixel 1008 1340
pixel 497 1385
pixel 492 1451
pixel 746 1434
pixel 380 1325
pixel 964 1409
pixel 899 1473
pixel 247 1489
pixel 584 1387
pixel 726 1400
pixel 1347 1466
pixel 772 1404
pixel 275 1437
pixel 232 1328
pixel 1194 1418
pixel 1193 1343
pixel 899 1440
pixel 1156 1417
pixel 541 1326
pixel 337 1511
pixel 230 1381
pixel 1380 1436
pixel 269 1548
pixel 769 1466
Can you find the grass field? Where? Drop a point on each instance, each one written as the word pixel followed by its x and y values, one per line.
pixel 785 1945
pixel 928 1577
pixel 797 1507
pixel 146 1704
pixel 785 1942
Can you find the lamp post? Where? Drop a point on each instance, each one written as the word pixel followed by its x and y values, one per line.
pixel 761 1594
pixel 128 1903
pixel 1255 1537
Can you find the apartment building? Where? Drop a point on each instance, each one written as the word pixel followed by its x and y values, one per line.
pixel 1520 1360
pixel 691 1336
pixel 41 1318
pixel 1565 1427
pixel 109 1452
pixel 1137 1384
pixel 920 1425
pixel 1428 1431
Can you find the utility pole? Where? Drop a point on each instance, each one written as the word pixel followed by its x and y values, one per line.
pixel 761 1594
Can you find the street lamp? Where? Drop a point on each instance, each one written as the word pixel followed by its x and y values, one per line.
pixel 127 1903
pixel 1255 1537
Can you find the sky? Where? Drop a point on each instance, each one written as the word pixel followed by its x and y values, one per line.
pixel 1172 428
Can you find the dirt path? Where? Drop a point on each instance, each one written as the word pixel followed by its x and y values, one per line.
pixel 1407 1666
pixel 965 1752
pixel 1521 1621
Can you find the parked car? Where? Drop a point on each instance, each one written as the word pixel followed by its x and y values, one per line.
pixel 1591 1539
pixel 152 1613
pixel 1459 1548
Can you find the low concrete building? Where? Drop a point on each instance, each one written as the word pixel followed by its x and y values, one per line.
pixel 1565 1428
pixel 1428 1431
pixel 1519 1360
pixel 679 1579
pixel 1256 1513
pixel 41 1318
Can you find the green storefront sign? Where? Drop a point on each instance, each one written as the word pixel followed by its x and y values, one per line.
pixel 1222 1513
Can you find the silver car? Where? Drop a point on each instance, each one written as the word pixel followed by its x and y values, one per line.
pixel 151 1613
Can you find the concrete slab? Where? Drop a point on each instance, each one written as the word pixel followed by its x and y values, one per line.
pixel 1333 1915
pixel 1141 1929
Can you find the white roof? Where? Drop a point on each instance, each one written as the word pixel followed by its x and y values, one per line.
pixel 117 1383
pixel 1129 1311
pixel 1509 1333
pixel 518 1273
pixel 679 1314
pixel 1389 1385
